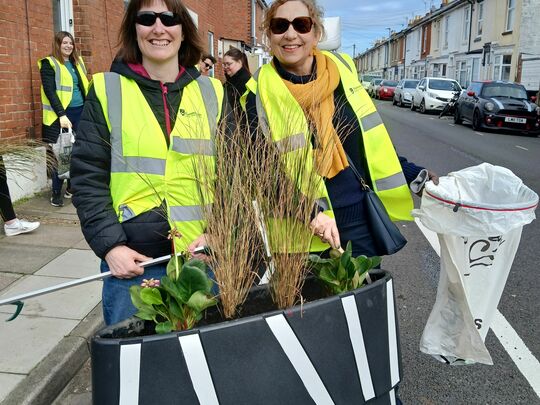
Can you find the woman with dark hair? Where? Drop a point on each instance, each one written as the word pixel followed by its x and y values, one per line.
pixel 235 65
pixel 144 126
pixel 63 89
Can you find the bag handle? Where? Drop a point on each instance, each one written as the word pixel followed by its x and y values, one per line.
pixel 365 187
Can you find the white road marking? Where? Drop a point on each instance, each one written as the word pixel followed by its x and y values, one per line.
pixel 452 125
pixel 479 133
pixel 521 147
pixel 525 361
pixel 431 118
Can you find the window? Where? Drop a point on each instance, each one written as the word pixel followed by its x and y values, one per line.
pixel 62 15
pixel 446 29
pixel 438 42
pixel 435 70
pixel 501 70
pixel 466 24
pixel 443 69
pixel 462 74
pixel 211 49
pixel 510 14
pixel 424 45
pixel 480 19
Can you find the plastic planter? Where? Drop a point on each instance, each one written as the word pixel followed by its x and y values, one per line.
pixel 338 350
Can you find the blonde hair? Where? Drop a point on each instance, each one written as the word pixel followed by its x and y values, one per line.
pixel 57 52
pixel 315 12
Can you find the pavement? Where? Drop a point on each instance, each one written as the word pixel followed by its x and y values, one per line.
pixel 48 343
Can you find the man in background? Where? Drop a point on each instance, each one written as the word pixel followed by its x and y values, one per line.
pixel 206 64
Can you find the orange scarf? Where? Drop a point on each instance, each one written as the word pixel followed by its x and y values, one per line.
pixel 317 100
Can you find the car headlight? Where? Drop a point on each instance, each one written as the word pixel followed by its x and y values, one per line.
pixel 432 95
pixel 407 94
pixel 489 106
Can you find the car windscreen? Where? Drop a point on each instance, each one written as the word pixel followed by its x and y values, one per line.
pixel 377 81
pixel 448 85
pixel 389 83
pixel 368 78
pixel 410 84
pixel 504 90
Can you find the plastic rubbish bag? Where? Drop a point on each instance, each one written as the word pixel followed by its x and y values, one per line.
pixel 62 151
pixel 478 214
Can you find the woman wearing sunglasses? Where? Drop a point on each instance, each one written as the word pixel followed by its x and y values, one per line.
pixel 144 126
pixel 63 89
pixel 316 95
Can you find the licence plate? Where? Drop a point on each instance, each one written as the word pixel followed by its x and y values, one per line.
pixel 516 120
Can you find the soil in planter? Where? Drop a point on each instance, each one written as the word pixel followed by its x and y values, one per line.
pixel 258 301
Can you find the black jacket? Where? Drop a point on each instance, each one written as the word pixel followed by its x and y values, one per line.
pixel 91 167
pixel 50 133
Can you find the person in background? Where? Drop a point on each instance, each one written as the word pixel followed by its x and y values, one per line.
pixel 142 126
pixel 317 95
pixel 237 74
pixel 206 64
pixel 538 98
pixel 64 85
pixel 12 225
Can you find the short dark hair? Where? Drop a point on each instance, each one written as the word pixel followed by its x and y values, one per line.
pixel 57 53
pixel 191 49
pixel 238 56
pixel 208 56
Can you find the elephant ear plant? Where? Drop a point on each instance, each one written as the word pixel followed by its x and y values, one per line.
pixel 177 301
pixel 342 272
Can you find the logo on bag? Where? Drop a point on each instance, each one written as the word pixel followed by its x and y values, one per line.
pixel 482 251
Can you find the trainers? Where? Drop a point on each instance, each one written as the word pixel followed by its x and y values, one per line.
pixel 68 194
pixel 57 200
pixel 20 226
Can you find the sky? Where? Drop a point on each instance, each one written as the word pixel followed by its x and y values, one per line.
pixel 363 21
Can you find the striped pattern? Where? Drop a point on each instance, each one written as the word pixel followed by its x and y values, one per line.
pixel 339 350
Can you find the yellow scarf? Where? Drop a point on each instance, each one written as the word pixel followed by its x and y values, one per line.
pixel 317 100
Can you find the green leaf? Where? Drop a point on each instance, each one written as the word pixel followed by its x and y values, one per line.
pixel 199 302
pixel 171 287
pixel 146 314
pixel 135 294
pixel 193 279
pixel 175 308
pixel 197 263
pixel 164 327
pixel 151 296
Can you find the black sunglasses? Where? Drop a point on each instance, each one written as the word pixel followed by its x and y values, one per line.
pixel 208 66
pixel 302 25
pixel 167 18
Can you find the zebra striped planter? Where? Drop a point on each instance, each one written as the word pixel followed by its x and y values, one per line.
pixel 338 350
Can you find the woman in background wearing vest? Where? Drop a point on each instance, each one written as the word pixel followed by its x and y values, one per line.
pixel 63 89
pixel 142 126
pixel 304 88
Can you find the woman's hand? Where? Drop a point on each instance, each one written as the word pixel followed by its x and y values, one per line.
pixel 65 122
pixel 433 177
pixel 325 228
pixel 124 262
pixel 201 241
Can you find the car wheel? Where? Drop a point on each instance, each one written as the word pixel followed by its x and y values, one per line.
pixel 422 108
pixel 400 101
pixel 394 101
pixel 476 121
pixel 457 117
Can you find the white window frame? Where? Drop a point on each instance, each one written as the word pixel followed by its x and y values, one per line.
pixel 446 30
pixel 211 50
pixel 510 14
pixel 480 19
pixel 438 34
pixel 65 19
pixel 466 23
pixel 499 67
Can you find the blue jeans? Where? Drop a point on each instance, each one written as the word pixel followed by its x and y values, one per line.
pixel 116 300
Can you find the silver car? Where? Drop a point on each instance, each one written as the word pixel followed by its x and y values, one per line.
pixel 404 92
pixel 373 87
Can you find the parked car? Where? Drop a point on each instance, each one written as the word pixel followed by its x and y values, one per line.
pixel 366 80
pixel 498 105
pixel 403 91
pixel 386 89
pixel 373 87
pixel 432 93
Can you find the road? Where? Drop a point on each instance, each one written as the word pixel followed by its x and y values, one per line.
pixel 443 147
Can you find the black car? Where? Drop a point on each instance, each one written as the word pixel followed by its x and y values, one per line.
pixel 498 105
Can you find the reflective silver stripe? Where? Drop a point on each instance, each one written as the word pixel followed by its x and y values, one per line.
pixel 113 89
pixel 57 75
pixel 356 336
pixel 194 146
pixel 65 88
pixel 210 102
pixel 47 107
pixel 138 164
pixel 323 203
pixel 188 212
pixel 299 359
pixel 291 143
pixel 130 366
pixel 199 372
pixel 391 182
pixel 392 334
pixel 81 64
pixel 341 59
pixel 371 121
pixel 127 213
pixel 261 113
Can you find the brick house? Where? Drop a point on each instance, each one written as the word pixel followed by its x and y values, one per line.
pixel 28 26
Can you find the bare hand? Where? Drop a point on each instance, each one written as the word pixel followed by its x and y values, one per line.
pixel 433 177
pixel 65 122
pixel 124 262
pixel 325 228
pixel 201 241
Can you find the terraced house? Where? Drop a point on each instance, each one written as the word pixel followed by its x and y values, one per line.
pixel 464 40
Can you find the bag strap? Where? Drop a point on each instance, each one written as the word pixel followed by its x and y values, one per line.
pixel 357 173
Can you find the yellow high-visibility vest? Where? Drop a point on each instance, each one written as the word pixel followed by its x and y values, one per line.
pixel 144 170
pixel 64 86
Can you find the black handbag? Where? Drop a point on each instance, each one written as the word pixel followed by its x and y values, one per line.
pixel 387 238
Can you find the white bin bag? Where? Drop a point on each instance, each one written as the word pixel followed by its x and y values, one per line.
pixel 478 214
